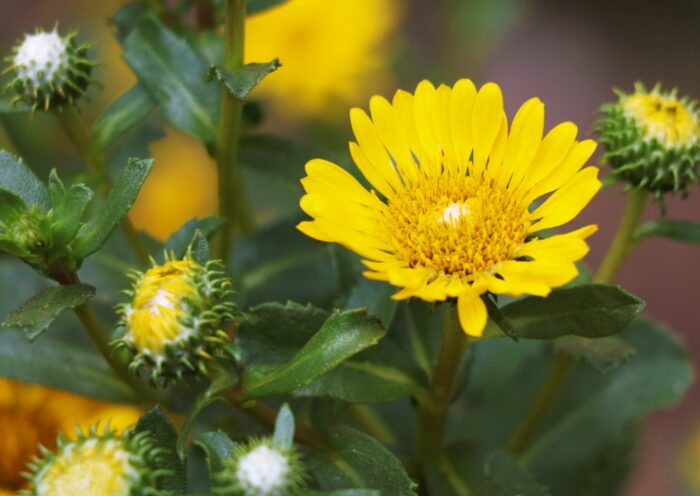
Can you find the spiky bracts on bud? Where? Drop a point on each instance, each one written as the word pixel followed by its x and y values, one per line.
pixel 652 139
pixel 104 464
pixel 174 323
pixel 261 468
pixel 50 70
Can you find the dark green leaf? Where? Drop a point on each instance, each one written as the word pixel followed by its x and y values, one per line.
pixel 592 420
pixel 241 82
pixel 19 107
pixel 69 206
pixel 127 111
pixel 259 5
pixel 602 354
pixel 115 207
pixel 594 310
pixel 126 18
pixel 162 429
pixel 470 469
pixel 181 239
pixel 57 364
pixel 687 232
pixel 17 178
pixel 284 428
pixel 341 336
pixel 11 206
pixel 356 460
pixel 218 448
pixel 172 71
pixel 200 248
pixel 35 315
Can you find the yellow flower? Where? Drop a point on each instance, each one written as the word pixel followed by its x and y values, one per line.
pixel 173 323
pixel 31 414
pixel 663 117
pixel 179 187
pixel 333 53
pixel 451 214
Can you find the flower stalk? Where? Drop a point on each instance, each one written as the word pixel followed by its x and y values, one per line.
pixel 622 245
pixel 73 126
pixel 233 197
pixel 432 410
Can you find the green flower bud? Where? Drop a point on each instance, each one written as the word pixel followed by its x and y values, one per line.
pixel 105 464
pixel 261 468
pixel 174 323
pixel 50 70
pixel 29 237
pixel 652 140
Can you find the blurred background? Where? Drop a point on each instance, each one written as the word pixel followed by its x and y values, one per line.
pixel 338 53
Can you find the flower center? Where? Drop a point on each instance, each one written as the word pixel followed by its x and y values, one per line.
pixel 42 59
pixel 95 467
pixel 159 306
pixel 263 471
pixel 456 224
pixel 665 118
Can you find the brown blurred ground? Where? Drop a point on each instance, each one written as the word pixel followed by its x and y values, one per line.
pixel 570 54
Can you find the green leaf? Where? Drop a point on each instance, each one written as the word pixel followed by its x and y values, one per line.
pixel 17 178
pixel 172 71
pixel 603 354
pixel 375 296
pixel 115 207
pixel 470 469
pixel 255 6
pixel 687 232
pixel 162 429
pixel 181 239
pixel 11 206
pixel 241 82
pixel 54 363
pixel 284 428
pixel 69 206
pixel 592 419
pixel 126 18
pixel 341 336
pixel 200 248
pixel 345 492
pixel 592 311
pixel 35 315
pixel 218 448
pixel 356 460
pixel 127 111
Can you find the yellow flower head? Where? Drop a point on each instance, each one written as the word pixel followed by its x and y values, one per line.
pixel 31 415
pixel 652 139
pixel 173 323
pixel 333 53
pixel 451 211
pixel 98 465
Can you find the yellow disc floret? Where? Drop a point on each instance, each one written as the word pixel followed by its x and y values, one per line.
pixel 99 465
pixel 175 321
pixel 663 117
pixel 450 211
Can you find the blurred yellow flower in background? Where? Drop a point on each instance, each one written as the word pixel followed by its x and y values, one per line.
pixel 32 414
pixel 333 53
pixel 179 186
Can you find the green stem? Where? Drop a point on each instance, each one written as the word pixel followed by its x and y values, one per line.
pixel 432 409
pixel 233 197
pixel 622 245
pixel 74 128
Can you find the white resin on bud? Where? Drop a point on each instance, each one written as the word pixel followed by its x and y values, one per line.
pixel 42 58
pixel 263 471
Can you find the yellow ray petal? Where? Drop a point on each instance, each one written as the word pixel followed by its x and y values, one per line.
pixel 329 176
pixel 441 122
pixel 472 313
pixel 372 147
pixel 567 201
pixel 424 108
pixel 403 107
pixel 374 175
pixel 574 160
pixel 460 116
pixel 570 246
pixel 486 122
pixel 552 151
pixel 553 273
pixel 393 136
pixel 311 229
pixel 524 140
pixel 497 151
